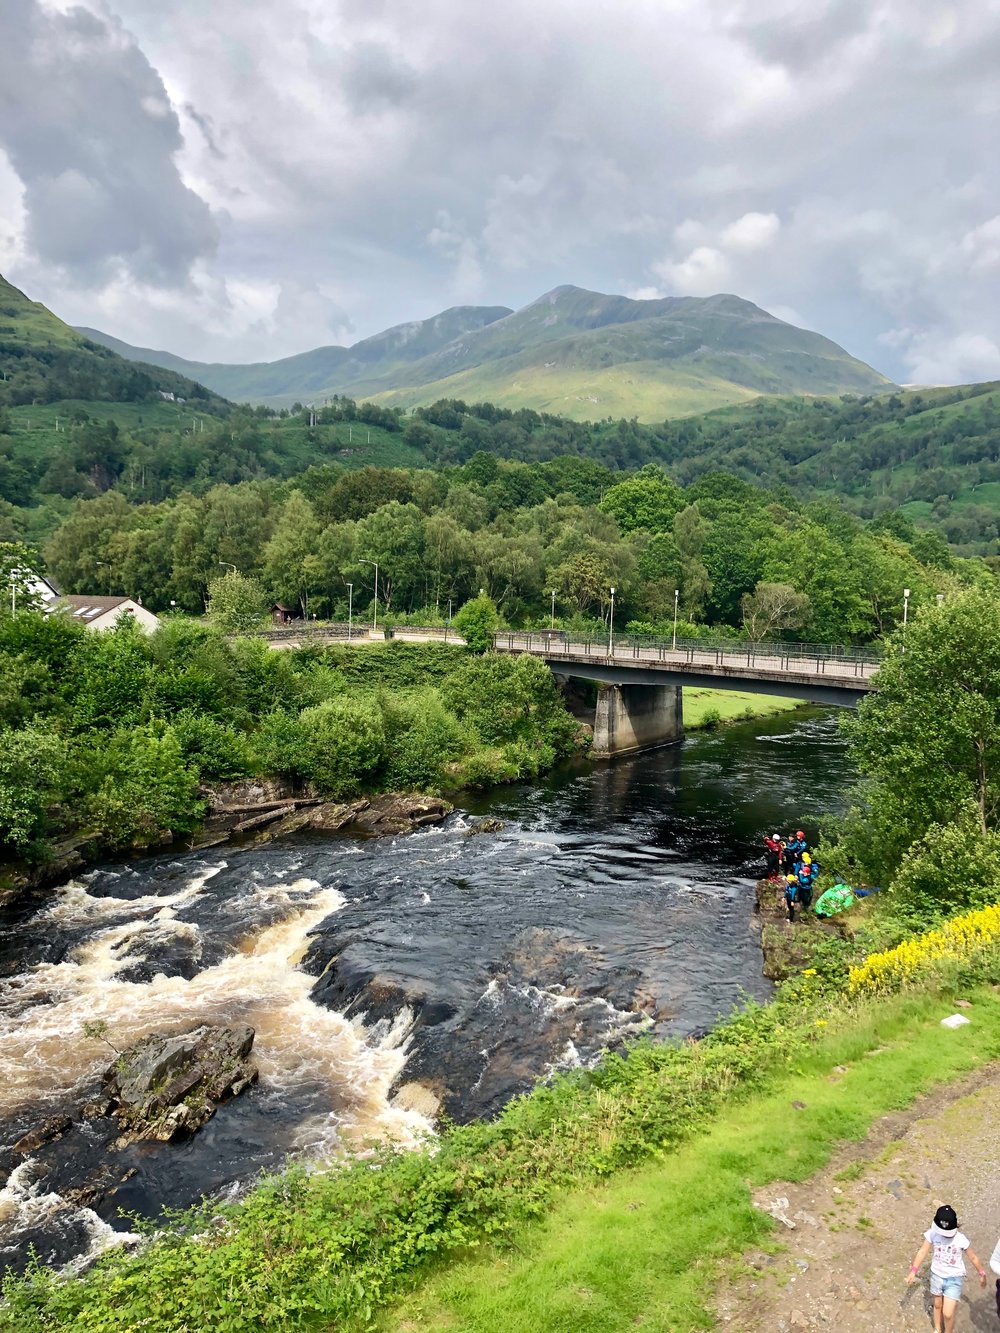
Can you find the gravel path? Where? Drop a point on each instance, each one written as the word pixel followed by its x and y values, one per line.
pixel 858 1224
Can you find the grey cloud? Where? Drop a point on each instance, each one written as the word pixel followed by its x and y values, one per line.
pixel 373 78
pixel 393 158
pixel 87 125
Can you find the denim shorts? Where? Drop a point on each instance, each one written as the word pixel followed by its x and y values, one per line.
pixel 947 1286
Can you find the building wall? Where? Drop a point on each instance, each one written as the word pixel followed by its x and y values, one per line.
pixel 145 619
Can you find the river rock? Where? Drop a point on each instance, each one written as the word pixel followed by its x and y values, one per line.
pixel 50 1129
pixel 164 1086
pixel 400 813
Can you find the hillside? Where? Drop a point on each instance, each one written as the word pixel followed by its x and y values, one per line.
pixel 325 370
pixel 578 354
pixel 43 360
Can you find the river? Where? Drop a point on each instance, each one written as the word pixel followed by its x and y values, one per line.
pixel 388 978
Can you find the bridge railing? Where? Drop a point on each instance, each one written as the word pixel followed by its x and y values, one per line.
pixel 815 658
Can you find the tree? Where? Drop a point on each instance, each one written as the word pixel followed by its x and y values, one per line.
pixel 649 501
pixel 773 607
pixel 690 532
pixel 344 743
pixel 476 621
pixel 236 603
pixel 927 742
pixel 290 566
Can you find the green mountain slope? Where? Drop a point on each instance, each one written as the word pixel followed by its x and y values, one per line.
pixel 580 354
pixel 325 370
pixel 43 360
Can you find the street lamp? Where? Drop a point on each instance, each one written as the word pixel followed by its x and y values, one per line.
pixel 350 610
pixel 677 594
pixel 940 599
pixel 552 617
pixel 226 565
pixel 375 618
pixel 611 625
pixel 906 605
pixel 447 628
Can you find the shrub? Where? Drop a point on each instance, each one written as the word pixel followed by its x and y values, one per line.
pixel 960 939
pixel 32 764
pixel 421 738
pixel 344 743
pixel 476 622
pixel 215 750
pixel 951 868
pixel 143 786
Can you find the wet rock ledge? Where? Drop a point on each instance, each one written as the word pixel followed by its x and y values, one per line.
pixel 260 812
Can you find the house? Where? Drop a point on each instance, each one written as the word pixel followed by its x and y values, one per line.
pixel 44 592
pixel 104 612
pixel 282 614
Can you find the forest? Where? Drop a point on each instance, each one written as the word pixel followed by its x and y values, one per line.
pixel 542 541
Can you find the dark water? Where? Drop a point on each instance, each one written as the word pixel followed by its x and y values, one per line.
pixel 386 979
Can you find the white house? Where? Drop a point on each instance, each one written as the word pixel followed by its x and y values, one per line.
pixel 105 612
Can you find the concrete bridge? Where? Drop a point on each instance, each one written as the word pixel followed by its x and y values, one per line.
pixel 641 705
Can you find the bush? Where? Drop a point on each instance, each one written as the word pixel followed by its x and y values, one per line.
pixel 509 699
pixel 143 787
pixel 278 746
pixel 953 867
pixel 215 750
pixel 422 737
pixel 344 743
pixel 32 763
pixel 476 621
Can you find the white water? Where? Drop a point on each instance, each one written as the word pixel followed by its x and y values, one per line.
pixel 45 1052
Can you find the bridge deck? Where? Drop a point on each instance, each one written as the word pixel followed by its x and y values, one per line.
pixel 790 670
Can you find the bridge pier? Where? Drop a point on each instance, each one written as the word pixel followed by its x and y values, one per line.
pixel 631 718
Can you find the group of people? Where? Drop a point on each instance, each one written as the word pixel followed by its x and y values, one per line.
pixel 789 861
pixel 948 1247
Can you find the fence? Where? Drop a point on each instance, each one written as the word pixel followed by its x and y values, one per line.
pixel 816 658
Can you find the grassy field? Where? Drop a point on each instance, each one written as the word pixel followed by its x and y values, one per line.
pixel 647 1247
pixel 708 707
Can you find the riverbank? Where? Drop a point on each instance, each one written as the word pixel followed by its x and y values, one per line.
pixel 707 708
pixel 584 1176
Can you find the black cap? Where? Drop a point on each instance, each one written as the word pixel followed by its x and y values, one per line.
pixel 945 1219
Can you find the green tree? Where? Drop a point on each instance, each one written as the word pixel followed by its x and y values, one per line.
pixel 290 566
pixel 648 501
pixel 927 742
pixel 236 603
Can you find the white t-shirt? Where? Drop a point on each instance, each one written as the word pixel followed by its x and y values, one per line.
pixel 947 1261
pixel 995 1261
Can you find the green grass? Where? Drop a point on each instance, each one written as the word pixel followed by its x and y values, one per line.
pixel 728 705
pixel 646 1248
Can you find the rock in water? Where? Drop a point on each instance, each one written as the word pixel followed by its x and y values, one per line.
pixel 164 1086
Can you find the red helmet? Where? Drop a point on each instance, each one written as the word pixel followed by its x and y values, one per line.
pixel 799 833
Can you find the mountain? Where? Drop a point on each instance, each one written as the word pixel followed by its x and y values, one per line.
pixel 323 371
pixel 580 354
pixel 43 360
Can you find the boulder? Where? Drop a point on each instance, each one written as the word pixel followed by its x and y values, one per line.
pixel 400 813
pixel 53 1128
pixel 165 1086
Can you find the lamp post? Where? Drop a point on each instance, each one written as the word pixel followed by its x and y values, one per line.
pixel 677 594
pixel 226 565
pixel 906 605
pixel 611 625
pixel 375 617
pixel 350 610
pixel 103 564
pixel 447 628
pixel 940 599
pixel 552 617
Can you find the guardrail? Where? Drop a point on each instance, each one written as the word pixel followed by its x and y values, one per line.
pixel 770 657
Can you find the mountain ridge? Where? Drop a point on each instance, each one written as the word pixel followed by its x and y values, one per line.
pixel 582 354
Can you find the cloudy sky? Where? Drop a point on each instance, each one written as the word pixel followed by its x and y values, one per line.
pixel 245 179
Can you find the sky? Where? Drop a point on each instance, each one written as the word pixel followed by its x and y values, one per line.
pixel 245 179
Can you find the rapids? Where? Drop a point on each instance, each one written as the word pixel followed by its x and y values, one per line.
pixel 385 977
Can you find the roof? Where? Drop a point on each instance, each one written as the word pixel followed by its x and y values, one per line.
pixel 91 608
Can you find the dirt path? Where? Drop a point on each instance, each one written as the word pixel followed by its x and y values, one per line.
pixel 857 1224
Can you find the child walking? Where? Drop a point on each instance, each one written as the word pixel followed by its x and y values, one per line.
pixel 947 1266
